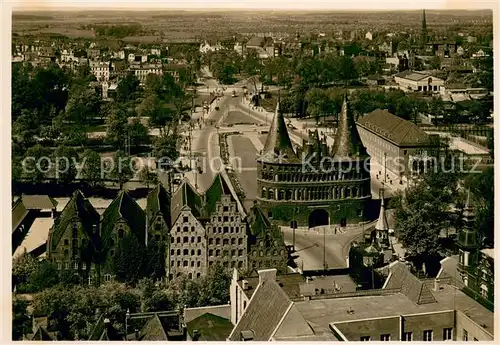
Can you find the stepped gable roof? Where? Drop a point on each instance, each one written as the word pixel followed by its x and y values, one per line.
pixel 217 189
pixel 158 201
pixel 267 307
pixel 393 128
pixel 382 223
pixel 77 207
pixel 123 207
pixel 278 147
pixel 210 327
pixel 185 196
pixel 258 221
pixel 347 142
pixel 400 277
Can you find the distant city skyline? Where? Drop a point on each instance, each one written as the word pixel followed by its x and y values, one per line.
pixel 313 5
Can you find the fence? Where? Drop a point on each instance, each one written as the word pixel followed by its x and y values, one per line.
pixel 360 293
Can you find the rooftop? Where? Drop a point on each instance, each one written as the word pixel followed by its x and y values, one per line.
pixel 412 75
pixel 210 327
pixel 325 311
pixel 490 252
pixel 393 128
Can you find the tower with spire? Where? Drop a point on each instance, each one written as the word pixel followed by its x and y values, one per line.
pixel 314 184
pixel 382 226
pixel 424 34
pixel 467 241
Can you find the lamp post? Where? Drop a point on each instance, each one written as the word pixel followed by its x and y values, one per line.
pixel 127 316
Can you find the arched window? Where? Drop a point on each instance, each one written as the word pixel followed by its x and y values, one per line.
pixel 264 193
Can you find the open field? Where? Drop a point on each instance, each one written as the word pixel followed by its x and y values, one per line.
pixel 190 24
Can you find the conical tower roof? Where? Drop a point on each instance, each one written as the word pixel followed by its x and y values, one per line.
pixel 347 140
pixel 278 147
pixel 382 223
pixel 469 214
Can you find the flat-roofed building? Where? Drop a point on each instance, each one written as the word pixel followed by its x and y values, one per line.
pixel 413 81
pixel 392 141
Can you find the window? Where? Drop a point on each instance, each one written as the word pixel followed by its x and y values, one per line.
pixel 217 241
pixel 365 338
pixel 226 208
pixel 199 239
pixel 217 252
pixel 185 239
pixel 211 252
pixel 66 242
pixel 198 275
pixel 178 252
pixel 198 264
pixel 407 336
pixel 385 337
pixel 172 252
pixel 178 240
pixel 121 233
pixel 211 241
pixel 59 265
pixel 226 219
pixel 107 277
pixel 185 219
pixel 233 241
pixel 240 241
pixel 465 336
pixel 240 252
pixel 199 252
pixel 185 252
pixel 75 265
pixel 185 229
pixel 192 228
pixel 192 263
pixel 428 335
pixel 185 263
pixel 448 334
pixel 84 266
pixel 192 239
pixel 192 252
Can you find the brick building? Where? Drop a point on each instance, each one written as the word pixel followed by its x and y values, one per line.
pixel 392 141
pixel 316 185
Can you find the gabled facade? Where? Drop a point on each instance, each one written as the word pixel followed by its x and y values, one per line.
pixel 74 237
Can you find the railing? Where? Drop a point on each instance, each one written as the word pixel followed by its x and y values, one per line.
pixel 360 293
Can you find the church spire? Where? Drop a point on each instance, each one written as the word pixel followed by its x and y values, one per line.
pixel 424 34
pixel 278 145
pixel 382 224
pixel 347 142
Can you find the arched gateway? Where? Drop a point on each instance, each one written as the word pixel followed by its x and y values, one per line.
pixel 318 217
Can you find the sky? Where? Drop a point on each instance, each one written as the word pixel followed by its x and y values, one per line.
pixel 249 4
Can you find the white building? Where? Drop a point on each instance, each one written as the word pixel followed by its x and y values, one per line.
pixel 413 81
pixel 141 71
pixel 369 36
pixel 100 70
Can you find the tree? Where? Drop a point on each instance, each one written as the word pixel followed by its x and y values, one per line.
pixel 65 161
pixel 138 133
pixel 36 163
pixel 127 88
pixel 20 318
pixel 121 170
pixel 166 147
pixel 116 127
pixel 482 189
pixel 215 287
pixel 91 170
pixel 148 176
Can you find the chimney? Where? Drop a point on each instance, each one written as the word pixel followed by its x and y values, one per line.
pixel 436 284
pixel 307 280
pixel 244 285
pixel 267 275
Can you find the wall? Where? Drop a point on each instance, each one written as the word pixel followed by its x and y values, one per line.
pixel 474 330
pixel 187 246
pixel 435 321
pixel 354 330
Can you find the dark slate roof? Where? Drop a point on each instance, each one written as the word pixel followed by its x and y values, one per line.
pixel 289 283
pixel 393 128
pixel 267 307
pixel 38 202
pixel 158 201
pixel 210 327
pixel 185 195
pixel 214 193
pixel 255 41
pixel 153 330
pixel 19 212
pixel 412 75
pixel 278 147
pixel 400 277
pixel 347 142
pixel 77 207
pixel 123 207
pixel 258 221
